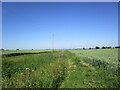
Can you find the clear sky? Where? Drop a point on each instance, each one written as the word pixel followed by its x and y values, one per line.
pixel 76 25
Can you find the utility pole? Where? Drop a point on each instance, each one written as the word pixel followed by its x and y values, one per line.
pixel 53 41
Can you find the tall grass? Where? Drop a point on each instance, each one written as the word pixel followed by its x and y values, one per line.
pixel 34 71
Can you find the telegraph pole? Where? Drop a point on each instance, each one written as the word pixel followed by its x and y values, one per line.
pixel 53 41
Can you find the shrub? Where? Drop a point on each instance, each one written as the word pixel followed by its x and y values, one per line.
pixel 108 47
pixel 103 47
pixel 83 48
pixel 97 47
pixel 117 47
pixel 2 49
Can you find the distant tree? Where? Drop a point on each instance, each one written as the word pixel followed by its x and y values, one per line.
pixel 17 49
pixel 97 47
pixel 117 47
pixel 32 49
pixel 103 47
pixel 89 48
pixel 83 48
pixel 108 47
pixel 2 49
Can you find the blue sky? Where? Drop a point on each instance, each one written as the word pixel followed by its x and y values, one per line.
pixel 76 25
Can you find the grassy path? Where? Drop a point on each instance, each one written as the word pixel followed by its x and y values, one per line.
pixel 88 75
pixel 78 71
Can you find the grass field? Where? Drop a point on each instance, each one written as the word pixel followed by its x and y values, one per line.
pixel 22 51
pixel 62 69
pixel 107 55
pixel 38 70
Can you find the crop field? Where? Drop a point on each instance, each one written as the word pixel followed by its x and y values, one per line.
pixel 107 55
pixel 23 51
pixel 95 68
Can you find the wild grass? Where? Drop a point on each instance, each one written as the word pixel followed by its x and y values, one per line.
pixel 90 73
pixel 23 51
pixel 34 71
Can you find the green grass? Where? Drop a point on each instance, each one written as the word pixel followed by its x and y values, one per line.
pixel 107 55
pixel 23 51
pixel 61 69
pixel 34 71
pixel 87 75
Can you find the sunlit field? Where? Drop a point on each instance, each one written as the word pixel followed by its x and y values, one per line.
pixel 107 55
pixel 38 70
pixel 62 69
pixel 23 51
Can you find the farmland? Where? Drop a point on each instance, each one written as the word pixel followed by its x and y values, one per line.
pixel 23 51
pixel 107 55
pixel 95 68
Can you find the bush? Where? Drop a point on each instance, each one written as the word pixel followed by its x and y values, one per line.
pixel 97 47
pixel 83 48
pixel 17 49
pixel 2 49
pixel 108 47
pixel 89 48
pixel 117 47
pixel 105 47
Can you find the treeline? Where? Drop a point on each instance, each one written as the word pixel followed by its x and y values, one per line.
pixel 103 47
pixel 7 49
pixel 97 47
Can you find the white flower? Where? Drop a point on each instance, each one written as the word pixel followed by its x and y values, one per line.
pixel 26 68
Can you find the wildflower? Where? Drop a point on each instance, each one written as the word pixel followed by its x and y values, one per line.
pixel 26 68
pixel 33 70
